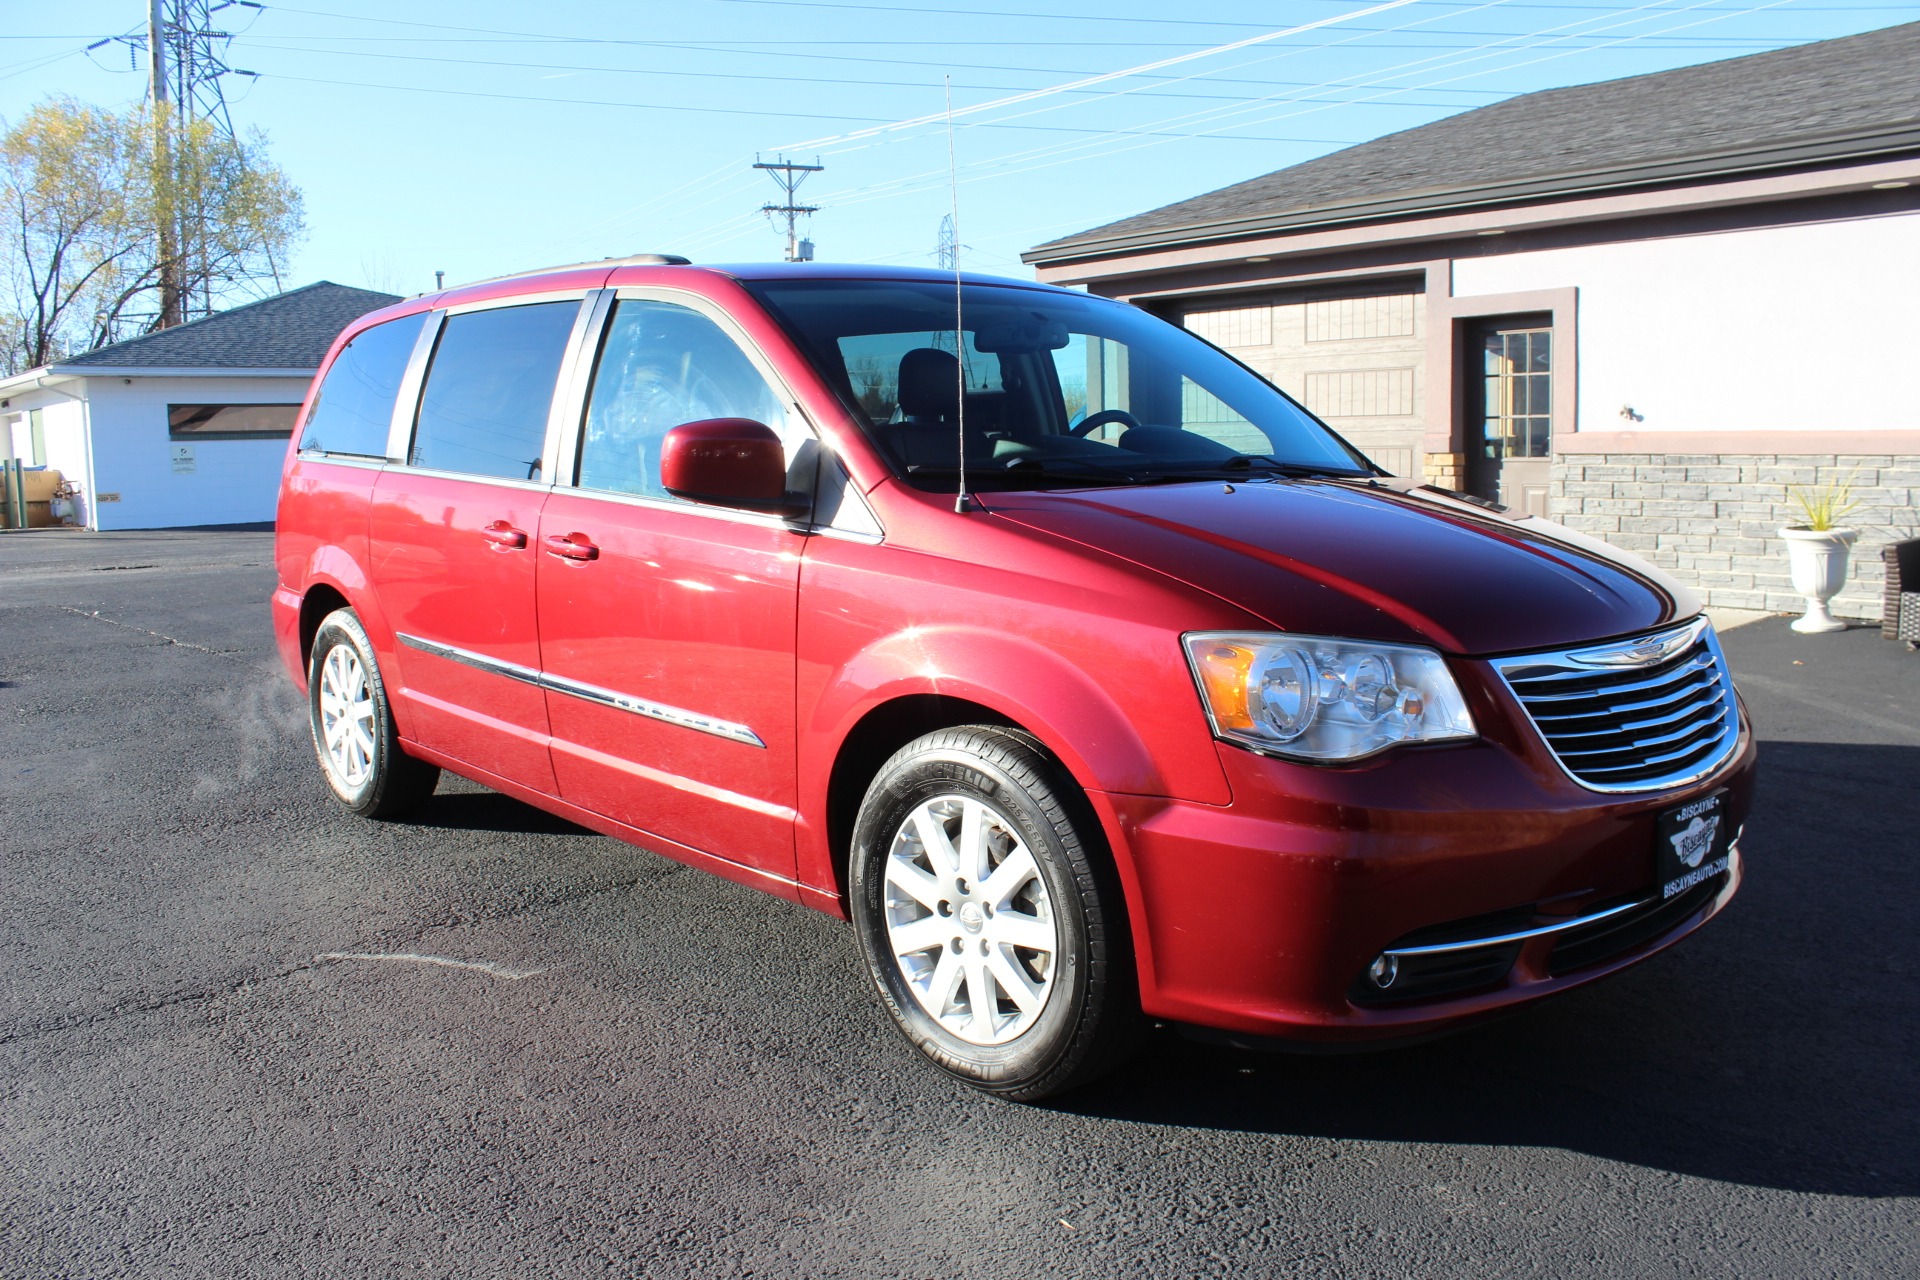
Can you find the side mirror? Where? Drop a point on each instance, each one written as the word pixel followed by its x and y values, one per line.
pixel 729 462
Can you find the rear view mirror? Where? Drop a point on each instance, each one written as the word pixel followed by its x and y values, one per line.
pixel 1030 333
pixel 729 462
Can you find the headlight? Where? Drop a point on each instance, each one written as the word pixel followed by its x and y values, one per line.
pixel 1313 698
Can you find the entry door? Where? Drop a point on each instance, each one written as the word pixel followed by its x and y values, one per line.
pixel 667 627
pixel 1510 431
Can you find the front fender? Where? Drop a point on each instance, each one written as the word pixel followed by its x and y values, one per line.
pixel 1029 684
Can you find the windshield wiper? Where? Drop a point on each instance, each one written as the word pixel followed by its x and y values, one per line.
pixel 1025 469
pixel 1247 466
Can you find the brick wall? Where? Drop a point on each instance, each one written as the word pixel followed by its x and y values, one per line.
pixel 1712 520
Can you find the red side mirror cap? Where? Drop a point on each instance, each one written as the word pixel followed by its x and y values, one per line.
pixel 730 462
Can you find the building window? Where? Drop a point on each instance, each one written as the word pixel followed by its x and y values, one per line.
pixel 1517 366
pixel 231 421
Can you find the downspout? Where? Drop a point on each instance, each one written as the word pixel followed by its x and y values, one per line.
pixel 86 445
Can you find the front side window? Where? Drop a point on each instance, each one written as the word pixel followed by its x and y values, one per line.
pixel 489 390
pixel 663 365
pixel 354 409
pixel 1052 388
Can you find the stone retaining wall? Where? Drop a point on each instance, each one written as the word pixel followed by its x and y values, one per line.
pixel 1712 520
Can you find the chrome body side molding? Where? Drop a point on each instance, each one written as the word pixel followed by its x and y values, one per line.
pixel 591 693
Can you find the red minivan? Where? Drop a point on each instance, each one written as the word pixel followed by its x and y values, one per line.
pixel 1088 674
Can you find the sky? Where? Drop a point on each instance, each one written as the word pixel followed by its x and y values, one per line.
pixel 479 137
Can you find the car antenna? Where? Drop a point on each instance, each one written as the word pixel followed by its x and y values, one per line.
pixel 961 503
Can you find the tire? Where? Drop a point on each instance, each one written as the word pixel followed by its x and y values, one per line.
pixel 352 725
pixel 989 916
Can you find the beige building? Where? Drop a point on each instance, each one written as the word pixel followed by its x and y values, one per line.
pixel 1654 309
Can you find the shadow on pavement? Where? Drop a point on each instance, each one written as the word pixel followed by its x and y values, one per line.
pixel 490 811
pixel 1772 1048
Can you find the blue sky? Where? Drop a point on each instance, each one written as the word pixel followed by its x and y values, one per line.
pixel 478 137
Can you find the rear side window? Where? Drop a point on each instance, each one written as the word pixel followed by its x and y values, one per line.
pixel 355 405
pixel 484 409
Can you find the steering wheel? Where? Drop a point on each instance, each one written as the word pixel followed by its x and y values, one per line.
pixel 1094 421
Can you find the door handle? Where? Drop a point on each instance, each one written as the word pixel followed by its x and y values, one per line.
pixel 572 546
pixel 502 534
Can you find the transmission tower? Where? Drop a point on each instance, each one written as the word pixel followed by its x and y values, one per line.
pixel 789 177
pixel 186 56
pixel 947 253
pixel 186 59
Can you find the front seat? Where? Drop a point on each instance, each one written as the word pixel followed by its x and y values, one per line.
pixel 928 401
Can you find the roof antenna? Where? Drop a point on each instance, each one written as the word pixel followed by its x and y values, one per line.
pixel 961 502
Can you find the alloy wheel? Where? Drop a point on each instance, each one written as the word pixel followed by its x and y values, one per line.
pixel 346 717
pixel 969 921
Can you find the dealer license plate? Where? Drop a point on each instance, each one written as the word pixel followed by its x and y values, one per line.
pixel 1690 844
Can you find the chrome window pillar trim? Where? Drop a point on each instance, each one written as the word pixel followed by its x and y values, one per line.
pixel 1541 931
pixel 719 728
pixel 468 477
pixel 406 403
pixel 569 413
pixel 360 460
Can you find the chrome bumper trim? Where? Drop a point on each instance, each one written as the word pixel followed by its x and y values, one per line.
pixel 1522 935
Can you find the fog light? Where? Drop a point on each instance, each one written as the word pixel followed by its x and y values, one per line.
pixel 1384 969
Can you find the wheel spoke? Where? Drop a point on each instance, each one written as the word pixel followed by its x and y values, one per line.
pixel 933 838
pixel 983 1002
pixel 1017 930
pixel 1013 980
pixel 1017 868
pixel 972 849
pixel 914 882
pixel 943 985
pixel 923 934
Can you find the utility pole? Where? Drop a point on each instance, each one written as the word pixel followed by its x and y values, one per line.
pixel 172 305
pixel 789 177
pixel 181 33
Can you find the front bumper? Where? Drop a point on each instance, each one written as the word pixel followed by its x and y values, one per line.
pixel 1261 917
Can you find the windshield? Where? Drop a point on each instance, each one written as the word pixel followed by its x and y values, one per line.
pixel 1060 389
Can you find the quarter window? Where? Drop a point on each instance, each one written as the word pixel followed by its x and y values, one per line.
pixel 662 366
pixel 489 389
pixel 354 410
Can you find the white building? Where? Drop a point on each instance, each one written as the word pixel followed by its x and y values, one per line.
pixel 1653 309
pixel 187 426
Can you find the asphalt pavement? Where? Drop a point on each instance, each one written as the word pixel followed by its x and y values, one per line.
pixel 243 1033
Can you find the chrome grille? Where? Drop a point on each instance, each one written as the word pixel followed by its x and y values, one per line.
pixel 1632 715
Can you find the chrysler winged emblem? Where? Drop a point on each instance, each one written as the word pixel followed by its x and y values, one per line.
pixel 1644 652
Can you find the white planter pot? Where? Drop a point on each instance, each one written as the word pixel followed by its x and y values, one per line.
pixel 1817 559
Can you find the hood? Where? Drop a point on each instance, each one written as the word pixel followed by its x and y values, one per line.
pixel 1388 561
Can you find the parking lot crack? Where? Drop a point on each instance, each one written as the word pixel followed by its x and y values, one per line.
pixel 96 616
pixel 155 1004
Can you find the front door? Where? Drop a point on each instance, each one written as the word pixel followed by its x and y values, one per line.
pixel 666 626
pixel 1510 420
